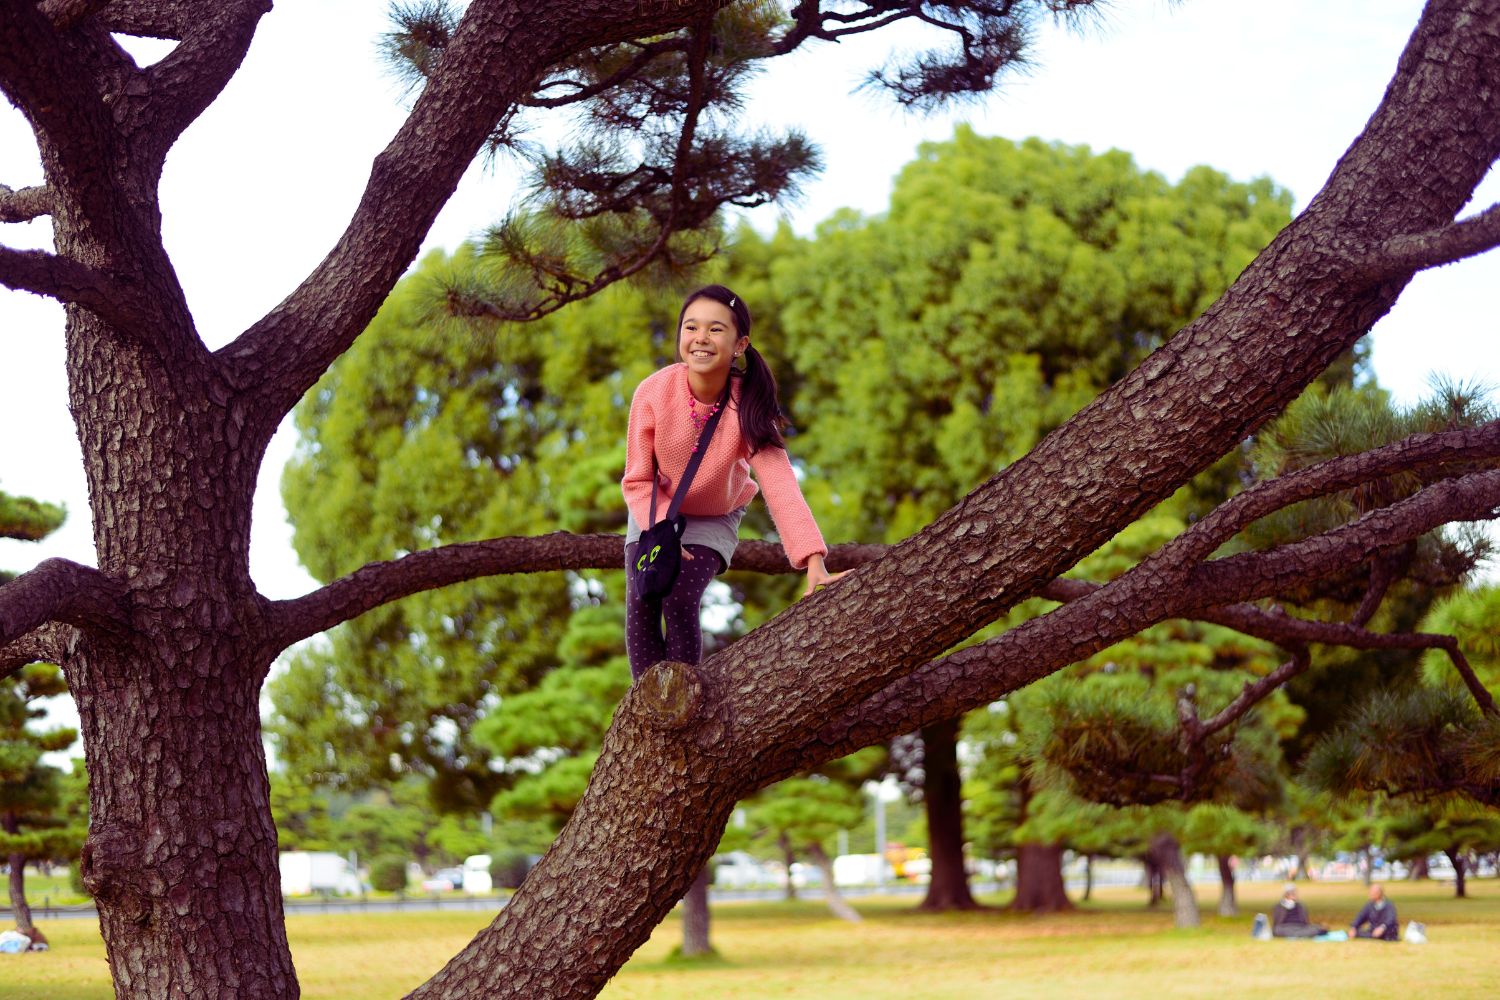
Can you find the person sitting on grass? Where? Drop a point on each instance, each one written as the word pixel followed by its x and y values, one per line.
pixel 1377 918
pixel 1290 917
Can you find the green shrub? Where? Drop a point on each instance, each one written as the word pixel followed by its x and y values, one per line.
pixel 388 873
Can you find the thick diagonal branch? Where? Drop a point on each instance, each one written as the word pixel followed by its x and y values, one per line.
pixel 1287 316
pixel 58 590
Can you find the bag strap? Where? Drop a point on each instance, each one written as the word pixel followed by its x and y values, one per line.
pixel 692 467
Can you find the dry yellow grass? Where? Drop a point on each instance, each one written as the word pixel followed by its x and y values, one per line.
pixel 1113 948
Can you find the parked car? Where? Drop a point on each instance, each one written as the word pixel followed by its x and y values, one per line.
pixel 444 880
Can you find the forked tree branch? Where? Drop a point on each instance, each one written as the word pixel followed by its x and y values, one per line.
pixel 1418 452
pixel 1098 616
pixel 1249 575
pixel 58 590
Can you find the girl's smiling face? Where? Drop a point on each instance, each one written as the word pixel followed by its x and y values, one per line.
pixel 708 339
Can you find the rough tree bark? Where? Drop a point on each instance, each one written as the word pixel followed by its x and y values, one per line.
pixel 167 643
pixel 1166 854
pixel 942 796
pixel 1228 907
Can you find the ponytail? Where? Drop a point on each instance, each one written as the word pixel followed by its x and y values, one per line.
pixel 761 417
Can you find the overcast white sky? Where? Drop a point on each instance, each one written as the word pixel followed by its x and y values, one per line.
pixel 258 190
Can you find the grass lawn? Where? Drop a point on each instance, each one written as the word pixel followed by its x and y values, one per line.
pixel 1112 948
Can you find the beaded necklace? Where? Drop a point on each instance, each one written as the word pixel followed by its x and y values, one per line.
pixel 699 420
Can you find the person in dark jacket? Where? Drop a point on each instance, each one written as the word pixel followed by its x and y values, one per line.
pixel 1289 919
pixel 1377 918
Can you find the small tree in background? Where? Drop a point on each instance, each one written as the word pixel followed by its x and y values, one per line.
pixel 32 824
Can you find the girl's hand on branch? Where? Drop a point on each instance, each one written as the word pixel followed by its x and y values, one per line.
pixel 818 575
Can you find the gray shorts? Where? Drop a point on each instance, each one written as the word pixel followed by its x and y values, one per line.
pixel 720 532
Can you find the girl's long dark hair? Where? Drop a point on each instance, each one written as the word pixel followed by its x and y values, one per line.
pixel 761 417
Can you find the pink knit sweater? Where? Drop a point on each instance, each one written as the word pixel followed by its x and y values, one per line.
pixel 659 419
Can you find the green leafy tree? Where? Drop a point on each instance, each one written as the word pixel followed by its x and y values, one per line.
pixel 32 827
pixel 302 815
pixel 1010 282
pixel 1456 830
pixel 804 815
pixel 1224 832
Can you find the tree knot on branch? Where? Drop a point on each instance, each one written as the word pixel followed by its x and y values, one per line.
pixel 669 695
pixel 111 867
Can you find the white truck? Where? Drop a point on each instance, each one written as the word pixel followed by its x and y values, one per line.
pixel 304 873
pixel 477 878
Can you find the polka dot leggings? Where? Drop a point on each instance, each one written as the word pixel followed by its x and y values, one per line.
pixel 680 611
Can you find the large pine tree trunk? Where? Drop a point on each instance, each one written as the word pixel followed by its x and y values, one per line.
pixel 836 902
pixel 943 795
pixel 181 851
pixel 1167 854
pixel 1039 881
pixel 1418 868
pixel 1457 859
pixel 1088 878
pixel 1227 905
pixel 695 918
